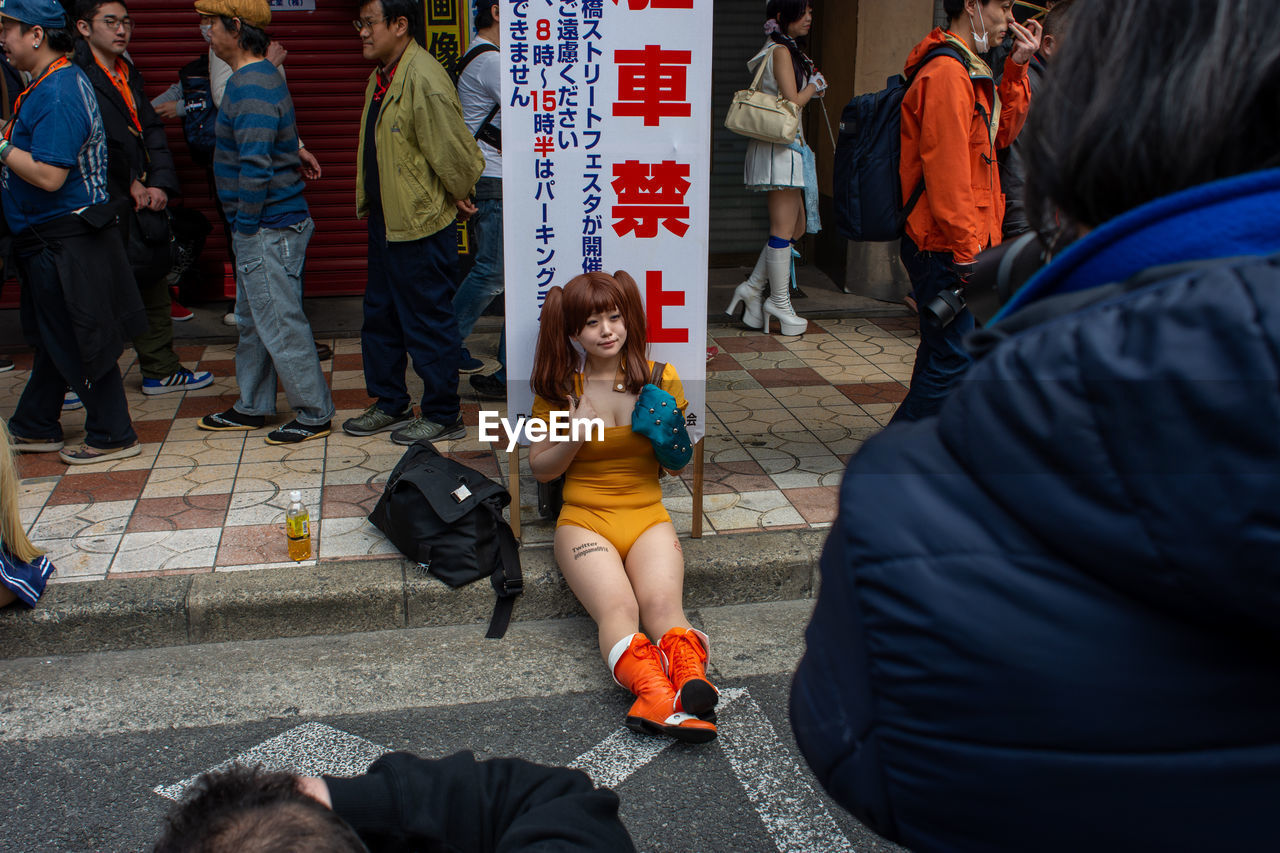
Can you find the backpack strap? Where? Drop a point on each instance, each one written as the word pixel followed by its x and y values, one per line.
pixel 470 55
pixel 486 132
pixel 941 50
pixel 508 582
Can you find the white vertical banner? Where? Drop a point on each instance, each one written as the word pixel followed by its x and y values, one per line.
pixel 606 130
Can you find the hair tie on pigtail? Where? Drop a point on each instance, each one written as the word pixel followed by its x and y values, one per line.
pixel 771 27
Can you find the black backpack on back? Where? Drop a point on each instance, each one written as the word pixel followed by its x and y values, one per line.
pixel 448 518
pixel 199 124
pixel 868 189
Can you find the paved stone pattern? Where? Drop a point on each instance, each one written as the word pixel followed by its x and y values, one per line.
pixel 784 416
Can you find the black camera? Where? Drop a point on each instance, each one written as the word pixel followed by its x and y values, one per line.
pixel 997 274
pixel 943 309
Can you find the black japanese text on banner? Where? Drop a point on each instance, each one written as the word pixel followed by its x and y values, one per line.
pixel 606 132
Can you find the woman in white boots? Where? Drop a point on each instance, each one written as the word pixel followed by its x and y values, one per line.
pixel 614 542
pixel 784 172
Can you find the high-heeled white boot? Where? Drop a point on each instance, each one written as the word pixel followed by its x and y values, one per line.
pixel 750 294
pixel 778 263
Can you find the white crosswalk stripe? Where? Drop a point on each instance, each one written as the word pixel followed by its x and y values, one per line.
pixel 312 749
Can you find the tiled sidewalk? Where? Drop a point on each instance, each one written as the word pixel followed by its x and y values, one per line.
pixel 785 414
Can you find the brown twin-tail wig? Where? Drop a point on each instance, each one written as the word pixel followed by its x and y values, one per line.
pixel 565 312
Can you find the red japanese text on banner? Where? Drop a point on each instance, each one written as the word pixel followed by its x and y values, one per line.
pixel 606 166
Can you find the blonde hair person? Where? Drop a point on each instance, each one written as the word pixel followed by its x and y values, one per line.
pixel 23 567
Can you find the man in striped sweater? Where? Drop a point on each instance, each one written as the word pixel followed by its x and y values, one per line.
pixel 255 167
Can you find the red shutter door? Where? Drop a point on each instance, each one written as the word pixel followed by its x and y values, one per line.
pixel 327 76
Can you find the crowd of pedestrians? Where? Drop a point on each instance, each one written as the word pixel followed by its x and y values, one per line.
pixel 100 170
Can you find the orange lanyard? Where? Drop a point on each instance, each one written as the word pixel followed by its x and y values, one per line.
pixel 58 64
pixel 120 79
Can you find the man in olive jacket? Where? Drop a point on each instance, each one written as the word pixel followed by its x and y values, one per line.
pixel 416 161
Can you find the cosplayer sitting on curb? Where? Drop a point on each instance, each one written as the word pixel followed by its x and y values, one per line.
pixel 614 542
pixel 23 568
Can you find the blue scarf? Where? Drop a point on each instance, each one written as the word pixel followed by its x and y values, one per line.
pixel 1223 219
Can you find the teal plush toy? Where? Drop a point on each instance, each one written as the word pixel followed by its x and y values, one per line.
pixel 658 418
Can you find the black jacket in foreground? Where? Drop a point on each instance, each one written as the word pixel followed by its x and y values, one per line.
pixel 406 803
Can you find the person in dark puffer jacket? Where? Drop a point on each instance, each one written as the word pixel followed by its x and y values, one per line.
pixel 1049 616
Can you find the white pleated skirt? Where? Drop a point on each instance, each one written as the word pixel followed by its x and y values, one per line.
pixel 772 167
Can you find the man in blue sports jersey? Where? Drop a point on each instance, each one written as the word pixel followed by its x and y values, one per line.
pixel 79 300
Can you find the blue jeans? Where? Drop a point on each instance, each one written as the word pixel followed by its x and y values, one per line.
pixel 485 281
pixel 275 335
pixel 408 312
pixel 942 358
pixel 57 367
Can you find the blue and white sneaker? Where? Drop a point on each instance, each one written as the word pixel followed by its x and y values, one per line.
pixel 71 401
pixel 182 380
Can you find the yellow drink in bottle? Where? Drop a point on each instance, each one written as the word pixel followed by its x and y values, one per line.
pixel 297 523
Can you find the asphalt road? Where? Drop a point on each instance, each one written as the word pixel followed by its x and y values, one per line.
pixel 94 742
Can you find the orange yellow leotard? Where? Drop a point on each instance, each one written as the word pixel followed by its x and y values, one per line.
pixel 611 487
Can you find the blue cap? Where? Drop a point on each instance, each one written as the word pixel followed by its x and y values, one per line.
pixel 35 13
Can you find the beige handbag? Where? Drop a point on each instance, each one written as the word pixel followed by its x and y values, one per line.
pixel 759 115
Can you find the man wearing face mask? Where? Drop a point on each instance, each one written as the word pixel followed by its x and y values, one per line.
pixel 954 118
pixel 213 74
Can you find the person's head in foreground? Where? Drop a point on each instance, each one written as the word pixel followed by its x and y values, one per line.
pixel 251 810
pixel 403 803
pixel 1049 617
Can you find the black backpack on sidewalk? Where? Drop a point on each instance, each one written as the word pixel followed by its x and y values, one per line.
pixel 448 518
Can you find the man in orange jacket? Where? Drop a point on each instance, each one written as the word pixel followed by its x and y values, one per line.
pixel 953 120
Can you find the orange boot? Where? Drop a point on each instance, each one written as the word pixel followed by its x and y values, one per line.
pixel 686 650
pixel 637 665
